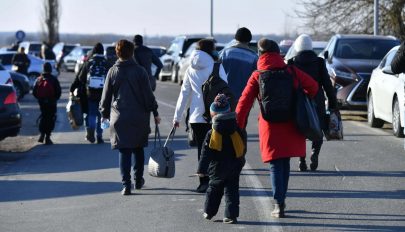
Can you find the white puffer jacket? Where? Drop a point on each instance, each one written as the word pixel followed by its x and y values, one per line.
pixel 195 76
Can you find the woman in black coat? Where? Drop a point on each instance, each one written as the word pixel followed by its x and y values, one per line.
pixel 127 101
pixel 308 61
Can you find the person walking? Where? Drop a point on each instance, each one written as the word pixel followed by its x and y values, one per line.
pixel 308 61
pixel 21 61
pixel 239 61
pixel 222 158
pixel 91 81
pixel 145 57
pixel 202 64
pixel 279 141
pixel 127 101
pixel 47 91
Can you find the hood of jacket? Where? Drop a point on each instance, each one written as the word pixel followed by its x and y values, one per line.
pixel 225 124
pixel 124 63
pixel 201 60
pixel 270 60
pixel 306 57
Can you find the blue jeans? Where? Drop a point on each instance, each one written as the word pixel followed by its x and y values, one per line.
pixel 92 119
pixel 280 173
pixel 125 161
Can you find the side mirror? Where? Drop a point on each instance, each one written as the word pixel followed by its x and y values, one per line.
pixel 326 55
pixel 387 70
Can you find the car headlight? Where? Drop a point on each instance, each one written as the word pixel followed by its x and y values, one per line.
pixel 342 74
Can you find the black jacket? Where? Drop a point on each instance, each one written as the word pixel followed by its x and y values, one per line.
pixel 145 57
pixel 22 61
pixel 221 164
pixel 315 66
pixel 93 94
pixel 398 62
pixel 55 83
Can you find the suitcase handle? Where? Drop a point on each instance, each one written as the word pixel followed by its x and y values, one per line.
pixel 171 135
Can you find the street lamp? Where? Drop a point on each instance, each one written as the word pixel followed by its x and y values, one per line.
pixel 212 19
pixel 375 17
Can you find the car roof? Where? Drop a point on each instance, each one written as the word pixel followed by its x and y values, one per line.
pixel 365 36
pixel 317 44
pixel 156 47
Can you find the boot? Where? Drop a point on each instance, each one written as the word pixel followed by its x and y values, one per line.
pixel 48 140
pixel 90 135
pixel 302 165
pixel 314 157
pixel 278 211
pixel 41 138
pixel 100 140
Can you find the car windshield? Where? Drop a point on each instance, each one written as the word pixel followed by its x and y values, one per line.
pixel 35 47
pixel 368 49
pixel 69 48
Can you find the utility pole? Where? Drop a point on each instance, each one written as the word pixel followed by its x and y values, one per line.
pixel 376 17
pixel 212 19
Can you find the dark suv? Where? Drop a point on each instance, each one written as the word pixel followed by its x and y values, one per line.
pixel 350 59
pixel 10 117
pixel 173 55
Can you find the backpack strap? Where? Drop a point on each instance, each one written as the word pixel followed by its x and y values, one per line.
pixel 215 69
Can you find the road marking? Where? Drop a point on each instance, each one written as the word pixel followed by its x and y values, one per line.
pixel 262 203
pixel 166 104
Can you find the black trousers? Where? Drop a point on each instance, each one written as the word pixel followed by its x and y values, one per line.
pixel 217 188
pixel 125 161
pixel 48 116
pixel 200 130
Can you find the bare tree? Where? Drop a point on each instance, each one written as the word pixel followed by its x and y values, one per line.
pixel 326 17
pixel 50 26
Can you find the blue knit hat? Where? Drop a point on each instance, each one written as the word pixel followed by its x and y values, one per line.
pixel 220 104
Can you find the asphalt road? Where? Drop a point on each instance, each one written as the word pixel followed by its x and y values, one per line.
pixel 75 186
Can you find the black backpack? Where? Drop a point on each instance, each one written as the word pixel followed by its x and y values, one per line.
pixel 97 72
pixel 276 95
pixel 212 87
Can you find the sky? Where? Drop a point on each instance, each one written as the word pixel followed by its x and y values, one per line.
pixel 154 17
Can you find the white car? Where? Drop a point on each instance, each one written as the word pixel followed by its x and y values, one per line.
pixel 385 96
pixel 5 78
pixel 35 68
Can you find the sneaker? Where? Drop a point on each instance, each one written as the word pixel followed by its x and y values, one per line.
pixel 302 166
pixel 126 191
pixel 230 220
pixel 206 216
pixel 278 211
pixel 90 135
pixel 139 183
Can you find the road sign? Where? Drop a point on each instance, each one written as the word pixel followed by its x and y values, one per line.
pixel 20 35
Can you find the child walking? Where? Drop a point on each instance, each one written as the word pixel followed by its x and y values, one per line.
pixel 47 90
pixel 222 159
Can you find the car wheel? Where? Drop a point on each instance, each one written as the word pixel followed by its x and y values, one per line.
pixel 371 119
pixel 396 120
pixel 19 90
pixel 175 74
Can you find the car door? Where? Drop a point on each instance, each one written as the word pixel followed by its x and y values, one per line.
pixel 387 89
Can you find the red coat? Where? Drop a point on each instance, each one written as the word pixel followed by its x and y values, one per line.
pixel 277 140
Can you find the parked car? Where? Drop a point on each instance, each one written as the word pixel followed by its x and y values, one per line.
pixel 317 47
pixel 33 48
pixel 80 61
pixel 70 60
pixel 10 116
pixel 284 45
pixel 35 68
pixel 173 55
pixel 159 51
pixel 21 84
pixel 350 60
pixel 385 96
pixel 61 50
pixel 5 78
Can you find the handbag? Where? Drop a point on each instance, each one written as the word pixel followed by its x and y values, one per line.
pixel 334 129
pixel 306 117
pixel 161 161
pixel 74 113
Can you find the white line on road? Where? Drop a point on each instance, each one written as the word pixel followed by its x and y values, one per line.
pixel 166 104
